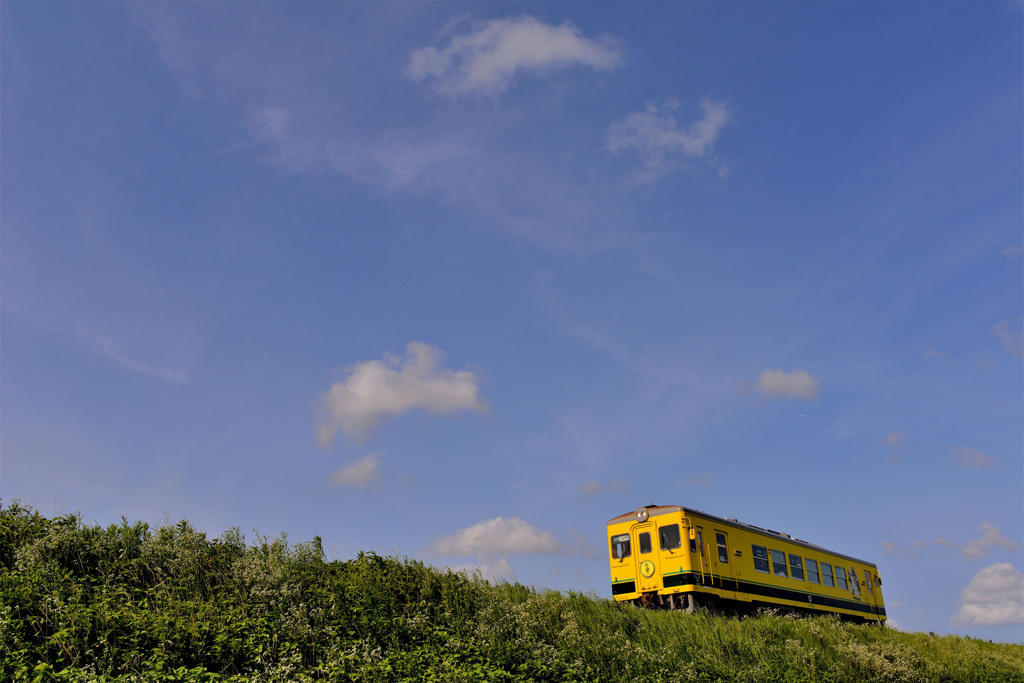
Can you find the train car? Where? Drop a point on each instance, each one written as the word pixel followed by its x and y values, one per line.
pixel 680 558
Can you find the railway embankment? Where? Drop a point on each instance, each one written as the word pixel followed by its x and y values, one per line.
pixel 134 603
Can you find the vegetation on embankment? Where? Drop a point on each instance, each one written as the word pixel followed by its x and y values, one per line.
pixel 131 603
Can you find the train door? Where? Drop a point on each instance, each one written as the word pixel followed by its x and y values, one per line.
pixel 699 556
pixel 873 591
pixel 721 564
pixel 648 564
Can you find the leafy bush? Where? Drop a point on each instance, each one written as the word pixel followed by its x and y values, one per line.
pixel 131 603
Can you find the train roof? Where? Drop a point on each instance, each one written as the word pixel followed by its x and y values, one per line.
pixel 656 510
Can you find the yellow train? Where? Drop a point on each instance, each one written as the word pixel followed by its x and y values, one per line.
pixel 680 558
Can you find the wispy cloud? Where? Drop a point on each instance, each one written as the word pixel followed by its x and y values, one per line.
pixel 662 142
pixel 286 96
pixel 1012 250
pixel 980 548
pixel 488 58
pixel 793 384
pixel 593 487
pixel 971 458
pixel 994 597
pixel 910 552
pixel 699 480
pixel 377 389
pixel 894 441
pixel 1012 335
pixel 359 474
pixel 87 288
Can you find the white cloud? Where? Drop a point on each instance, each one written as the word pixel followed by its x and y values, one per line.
pixel 492 541
pixel 793 384
pixel 971 458
pixel 486 59
pixel 499 537
pixel 662 142
pixel 1012 336
pixel 492 569
pixel 994 597
pixel 377 389
pixel 358 473
pixel 979 548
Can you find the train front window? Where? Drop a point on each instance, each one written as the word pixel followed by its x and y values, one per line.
pixel 620 546
pixel 645 542
pixel 669 537
pixel 723 549
pixel 826 574
pixel 779 563
pixel 812 571
pixel 760 558
pixel 796 567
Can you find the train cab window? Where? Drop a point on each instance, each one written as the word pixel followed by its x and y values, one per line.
pixel 826 574
pixel 693 545
pixel 669 538
pixel 868 580
pixel 779 563
pixel 854 582
pixel 760 558
pixel 841 578
pixel 645 542
pixel 812 571
pixel 796 567
pixel 700 541
pixel 620 546
pixel 723 549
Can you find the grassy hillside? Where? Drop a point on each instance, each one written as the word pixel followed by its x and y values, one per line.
pixel 131 603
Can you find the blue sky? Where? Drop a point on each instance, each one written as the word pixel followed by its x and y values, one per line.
pixel 465 281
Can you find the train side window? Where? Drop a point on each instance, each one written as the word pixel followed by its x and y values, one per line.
pixel 841 578
pixel 868 580
pixel 760 558
pixel 854 582
pixel 669 538
pixel 693 545
pixel 826 574
pixel 723 549
pixel 645 542
pixel 700 541
pixel 812 571
pixel 620 546
pixel 796 567
pixel 779 563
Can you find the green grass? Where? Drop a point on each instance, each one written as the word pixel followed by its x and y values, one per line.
pixel 131 603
